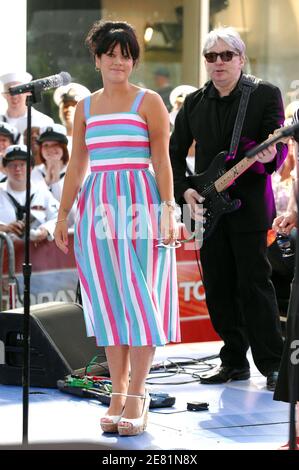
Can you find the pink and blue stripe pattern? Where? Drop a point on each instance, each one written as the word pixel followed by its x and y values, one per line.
pixel 129 286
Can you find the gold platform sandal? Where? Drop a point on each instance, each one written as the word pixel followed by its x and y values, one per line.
pixel 109 422
pixel 133 427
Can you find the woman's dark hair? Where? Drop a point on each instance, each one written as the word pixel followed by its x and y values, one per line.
pixel 65 156
pixel 105 35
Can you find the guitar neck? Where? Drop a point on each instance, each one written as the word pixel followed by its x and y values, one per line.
pixel 231 175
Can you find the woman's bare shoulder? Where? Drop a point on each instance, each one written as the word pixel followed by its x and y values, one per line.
pixel 151 93
pixel 97 93
pixel 152 100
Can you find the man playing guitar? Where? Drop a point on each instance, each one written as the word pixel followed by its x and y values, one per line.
pixel 236 272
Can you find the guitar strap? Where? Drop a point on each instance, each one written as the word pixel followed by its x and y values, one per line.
pixel 248 83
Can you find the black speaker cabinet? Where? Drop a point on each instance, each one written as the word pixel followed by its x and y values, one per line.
pixel 59 345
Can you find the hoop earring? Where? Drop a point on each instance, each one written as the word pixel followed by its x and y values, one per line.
pixel 97 69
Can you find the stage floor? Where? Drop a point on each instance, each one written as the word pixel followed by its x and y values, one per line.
pixel 241 415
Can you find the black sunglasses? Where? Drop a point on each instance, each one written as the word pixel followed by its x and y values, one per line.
pixel 225 56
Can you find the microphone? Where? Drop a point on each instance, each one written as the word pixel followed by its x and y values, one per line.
pixel 279 134
pixel 43 84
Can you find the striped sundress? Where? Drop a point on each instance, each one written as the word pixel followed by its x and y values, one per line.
pixel 128 284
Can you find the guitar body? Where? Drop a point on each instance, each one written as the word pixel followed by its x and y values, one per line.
pixel 216 203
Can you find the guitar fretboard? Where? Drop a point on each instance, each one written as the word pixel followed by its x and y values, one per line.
pixel 231 175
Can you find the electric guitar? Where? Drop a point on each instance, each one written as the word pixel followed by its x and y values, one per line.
pixel 212 184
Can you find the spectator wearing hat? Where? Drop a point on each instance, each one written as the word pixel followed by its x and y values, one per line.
pixel 16 113
pixel 163 85
pixel 8 134
pixel 44 207
pixel 54 155
pixel 35 133
pixel 177 97
pixel 66 98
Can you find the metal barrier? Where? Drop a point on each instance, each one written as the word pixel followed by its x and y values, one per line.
pixel 6 239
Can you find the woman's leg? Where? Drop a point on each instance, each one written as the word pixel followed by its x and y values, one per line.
pixel 118 363
pixel 141 359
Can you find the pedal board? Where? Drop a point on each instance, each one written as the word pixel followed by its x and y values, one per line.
pixel 158 400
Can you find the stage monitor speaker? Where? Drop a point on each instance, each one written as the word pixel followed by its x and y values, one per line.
pixel 58 344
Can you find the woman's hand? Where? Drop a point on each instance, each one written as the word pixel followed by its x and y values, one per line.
pixel 61 236
pixel 169 227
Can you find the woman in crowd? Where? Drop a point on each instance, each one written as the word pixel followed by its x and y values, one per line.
pixel 54 155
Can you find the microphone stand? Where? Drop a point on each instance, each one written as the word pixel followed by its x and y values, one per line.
pixel 293 309
pixel 34 97
pixel 293 324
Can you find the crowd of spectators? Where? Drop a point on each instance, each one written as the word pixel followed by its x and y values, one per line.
pixel 49 155
pixel 51 145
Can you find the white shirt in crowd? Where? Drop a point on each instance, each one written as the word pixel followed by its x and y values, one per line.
pixel 39 119
pixel 44 207
pixel 38 176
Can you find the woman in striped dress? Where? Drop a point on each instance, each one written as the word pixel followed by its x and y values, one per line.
pixel 125 227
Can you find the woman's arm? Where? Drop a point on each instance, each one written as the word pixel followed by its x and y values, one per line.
pixel 157 118
pixel 156 115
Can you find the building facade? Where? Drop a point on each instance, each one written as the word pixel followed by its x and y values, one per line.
pixel 47 36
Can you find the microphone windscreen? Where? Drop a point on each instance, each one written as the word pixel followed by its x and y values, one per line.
pixel 66 78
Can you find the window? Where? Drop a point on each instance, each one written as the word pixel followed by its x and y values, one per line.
pixel 269 29
pixel 57 29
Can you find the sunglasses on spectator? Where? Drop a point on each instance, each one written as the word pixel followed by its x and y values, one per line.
pixel 225 56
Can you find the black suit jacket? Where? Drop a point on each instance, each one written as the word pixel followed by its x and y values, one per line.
pixel 209 119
